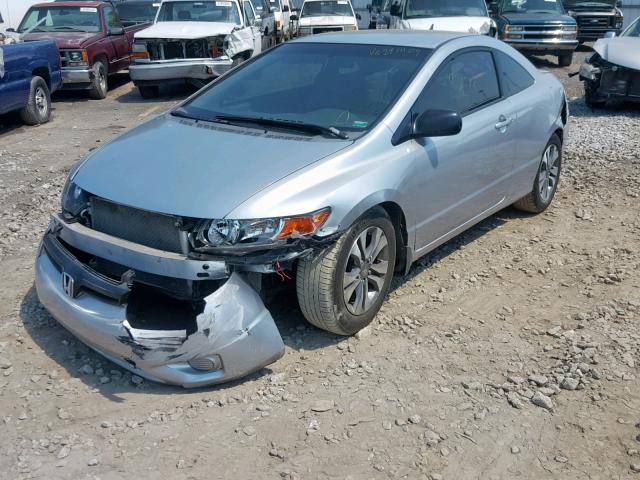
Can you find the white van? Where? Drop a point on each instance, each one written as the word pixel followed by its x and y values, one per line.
pixel 469 16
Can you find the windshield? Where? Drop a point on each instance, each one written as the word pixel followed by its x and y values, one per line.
pixel 218 11
pixel 137 13
pixel 343 86
pixel 445 8
pixel 532 6
pixel 62 19
pixel 323 8
pixel 633 30
pixel 275 4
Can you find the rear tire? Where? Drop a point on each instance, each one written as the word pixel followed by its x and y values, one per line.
pixel 565 60
pixel 99 87
pixel 546 181
pixel 320 283
pixel 38 107
pixel 149 91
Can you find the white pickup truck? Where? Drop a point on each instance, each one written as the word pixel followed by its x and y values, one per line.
pixel 194 41
pixel 321 16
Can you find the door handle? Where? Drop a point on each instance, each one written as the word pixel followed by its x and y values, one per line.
pixel 503 123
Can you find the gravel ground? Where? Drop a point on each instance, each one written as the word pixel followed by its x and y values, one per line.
pixel 513 351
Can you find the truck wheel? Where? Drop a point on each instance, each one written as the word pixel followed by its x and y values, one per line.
pixel 546 181
pixel 149 91
pixel 99 87
pixel 341 288
pixel 38 107
pixel 565 60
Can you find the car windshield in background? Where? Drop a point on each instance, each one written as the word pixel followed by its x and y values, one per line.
pixel 212 11
pixel 324 8
pixel 633 30
pixel 339 86
pixel 132 13
pixel 275 4
pixel 61 19
pixel 532 6
pixel 445 8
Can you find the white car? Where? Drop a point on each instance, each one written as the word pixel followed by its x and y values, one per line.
pixel 194 41
pixel 467 16
pixel 282 11
pixel 321 16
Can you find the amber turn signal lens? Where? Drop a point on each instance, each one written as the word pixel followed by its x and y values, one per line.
pixel 85 57
pixel 305 225
pixel 141 55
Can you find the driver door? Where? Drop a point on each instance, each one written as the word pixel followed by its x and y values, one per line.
pixel 250 20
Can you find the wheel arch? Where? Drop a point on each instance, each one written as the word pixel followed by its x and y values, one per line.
pixel 42 72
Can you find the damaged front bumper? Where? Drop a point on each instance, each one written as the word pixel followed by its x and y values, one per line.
pixel 606 81
pixel 158 71
pixel 232 334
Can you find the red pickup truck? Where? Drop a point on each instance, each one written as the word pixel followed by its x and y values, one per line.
pixel 92 41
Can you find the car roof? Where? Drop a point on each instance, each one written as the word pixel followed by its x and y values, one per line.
pixel 72 3
pixel 395 38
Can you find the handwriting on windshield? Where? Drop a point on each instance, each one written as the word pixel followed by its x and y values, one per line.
pixel 394 51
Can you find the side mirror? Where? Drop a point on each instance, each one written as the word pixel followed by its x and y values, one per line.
pixel 395 10
pixel 257 21
pixel 619 4
pixel 369 6
pixel 293 17
pixel 12 30
pixel 493 7
pixel 437 123
pixel 610 35
pixel 116 31
pixel 358 17
pixel 285 8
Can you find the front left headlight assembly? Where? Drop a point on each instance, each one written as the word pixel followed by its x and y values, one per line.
pixel 265 232
pixel 74 200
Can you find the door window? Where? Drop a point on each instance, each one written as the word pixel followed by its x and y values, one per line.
pixel 513 77
pixel 464 83
pixel 249 16
pixel 111 17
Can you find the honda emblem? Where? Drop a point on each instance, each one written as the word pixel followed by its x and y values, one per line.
pixel 68 284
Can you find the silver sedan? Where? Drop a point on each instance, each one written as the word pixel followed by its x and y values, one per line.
pixel 328 163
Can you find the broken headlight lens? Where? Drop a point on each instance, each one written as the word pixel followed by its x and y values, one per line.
pixel 264 231
pixel 74 199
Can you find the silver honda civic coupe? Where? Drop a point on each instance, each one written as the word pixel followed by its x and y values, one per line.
pixel 329 163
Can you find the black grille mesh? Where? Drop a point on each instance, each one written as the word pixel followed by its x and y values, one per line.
pixel 145 228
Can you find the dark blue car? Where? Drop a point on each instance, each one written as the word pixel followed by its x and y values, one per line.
pixel 29 73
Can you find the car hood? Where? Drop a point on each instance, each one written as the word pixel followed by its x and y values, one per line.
pixel 196 169
pixel 568 4
pixel 65 39
pixel 623 51
pixel 186 30
pixel 538 18
pixel 450 24
pixel 327 20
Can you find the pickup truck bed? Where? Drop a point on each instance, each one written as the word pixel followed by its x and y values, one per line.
pixel 29 73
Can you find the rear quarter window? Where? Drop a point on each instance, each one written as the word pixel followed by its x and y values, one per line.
pixel 514 78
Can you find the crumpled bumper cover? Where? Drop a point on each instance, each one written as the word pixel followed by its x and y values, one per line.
pixel 234 325
pixel 161 70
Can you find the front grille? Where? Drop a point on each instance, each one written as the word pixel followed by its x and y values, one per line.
pixel 183 49
pixel 327 29
pixel 542 32
pixel 153 230
pixel 593 21
pixel 621 82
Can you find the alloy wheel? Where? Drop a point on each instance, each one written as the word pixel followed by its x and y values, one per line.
pixel 41 101
pixel 548 173
pixel 366 270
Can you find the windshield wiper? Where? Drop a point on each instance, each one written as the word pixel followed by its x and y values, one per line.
pixel 290 124
pixel 268 122
pixel 65 27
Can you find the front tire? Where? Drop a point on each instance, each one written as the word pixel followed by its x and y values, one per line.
pixel 99 87
pixel 38 107
pixel 546 181
pixel 341 289
pixel 565 60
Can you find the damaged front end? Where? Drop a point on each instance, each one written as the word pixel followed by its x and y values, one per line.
pixel 193 60
pixel 173 299
pixel 605 81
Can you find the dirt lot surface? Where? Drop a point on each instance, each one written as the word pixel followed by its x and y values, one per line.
pixel 512 352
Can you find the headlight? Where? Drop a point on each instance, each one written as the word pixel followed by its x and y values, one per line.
pixel 569 28
pixel 305 31
pixel 77 58
pixel 349 28
pixel 264 231
pixel 513 28
pixel 74 199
